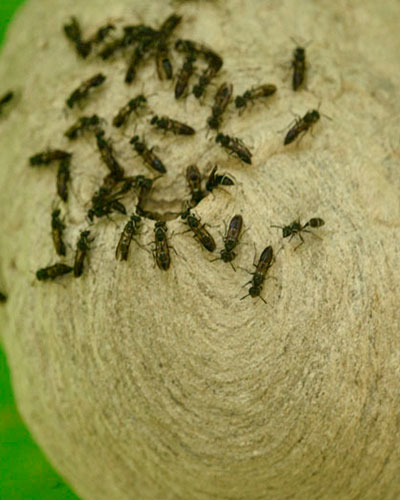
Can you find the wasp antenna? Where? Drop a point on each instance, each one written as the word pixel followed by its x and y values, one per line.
pixel 214 260
pixel 303 45
pixel 294 40
pixel 326 116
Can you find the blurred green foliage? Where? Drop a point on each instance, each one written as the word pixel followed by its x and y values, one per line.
pixel 7 9
pixel 25 474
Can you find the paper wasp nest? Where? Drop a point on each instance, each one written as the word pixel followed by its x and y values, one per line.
pixel 151 384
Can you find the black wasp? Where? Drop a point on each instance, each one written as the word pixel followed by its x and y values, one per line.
pixel 83 124
pixel 184 75
pixel 251 95
pixel 161 250
pixel 3 298
pixel 107 198
pixel 82 248
pixel 299 67
pixel 168 124
pixel 169 25
pixel 235 146
pixel 102 33
pixel 296 227
pixel 147 155
pixel 264 263
pixel 214 65
pixel 104 205
pixel 129 108
pixel 131 35
pixel 5 99
pixel 301 126
pixel 214 61
pixel 57 229
pixel 108 50
pixel 221 101
pixel 191 47
pixel 53 272
pixel 131 228
pixel 145 44
pixel 83 90
pixel 143 185
pixel 193 178
pixel 195 48
pixel 49 156
pixel 199 231
pixel 164 66
pixel 214 180
pixel 111 183
pixel 63 176
pixel 136 57
pixel 231 239
pixel 108 156
pixel 73 33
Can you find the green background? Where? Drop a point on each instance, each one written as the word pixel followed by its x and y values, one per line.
pixel 25 474
pixel 7 9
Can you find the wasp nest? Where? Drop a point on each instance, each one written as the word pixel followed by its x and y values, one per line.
pixel 146 376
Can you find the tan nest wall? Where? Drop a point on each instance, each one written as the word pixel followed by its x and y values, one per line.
pixel 151 385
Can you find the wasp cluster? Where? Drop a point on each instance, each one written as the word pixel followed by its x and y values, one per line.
pixel 138 43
